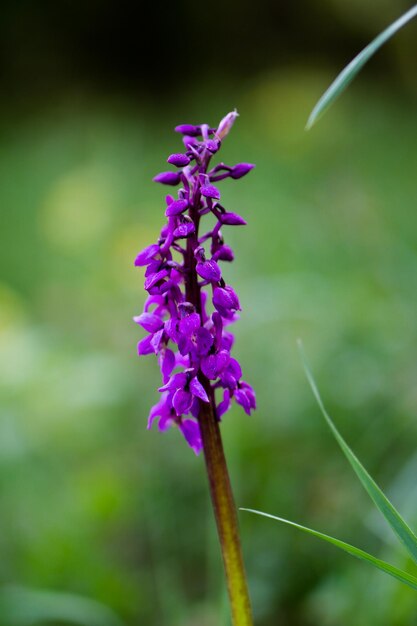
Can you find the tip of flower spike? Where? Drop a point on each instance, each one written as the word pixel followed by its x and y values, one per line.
pixel 168 178
pixel 226 124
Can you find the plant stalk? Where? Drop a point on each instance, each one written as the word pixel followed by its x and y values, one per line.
pixel 226 517
pixel 218 476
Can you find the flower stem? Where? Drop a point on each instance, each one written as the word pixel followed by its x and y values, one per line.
pixel 226 517
pixel 217 472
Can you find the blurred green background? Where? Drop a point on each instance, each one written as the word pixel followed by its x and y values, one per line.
pixel 103 523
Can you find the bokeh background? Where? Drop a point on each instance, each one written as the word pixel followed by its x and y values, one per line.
pixel 103 523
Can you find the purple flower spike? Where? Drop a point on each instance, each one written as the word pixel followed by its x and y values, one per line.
pixel 210 191
pixel 168 178
pixel 179 160
pixel 189 308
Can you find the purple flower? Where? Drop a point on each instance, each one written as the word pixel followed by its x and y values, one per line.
pixel 245 396
pixel 186 388
pixel 181 160
pixel 214 364
pixel 226 124
pixel 149 322
pixel 210 191
pixel 185 227
pixel 209 270
pixel 176 207
pixel 241 169
pixel 168 178
pixel 225 301
pixel 191 431
pixel 167 416
pixel 189 306
pixel 188 129
pixel 147 255
pixel 232 219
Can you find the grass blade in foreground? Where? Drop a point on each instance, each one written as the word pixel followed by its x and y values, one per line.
pixel 405 578
pixel 350 71
pixel 394 519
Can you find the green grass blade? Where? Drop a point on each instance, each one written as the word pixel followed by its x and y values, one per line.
pixel 394 519
pixel 350 71
pixel 404 577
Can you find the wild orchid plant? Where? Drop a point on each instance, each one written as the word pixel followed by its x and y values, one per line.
pixel 187 314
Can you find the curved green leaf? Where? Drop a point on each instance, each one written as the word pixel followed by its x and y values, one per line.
pixel 400 575
pixel 350 71
pixel 394 519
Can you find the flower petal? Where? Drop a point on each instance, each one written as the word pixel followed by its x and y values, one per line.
pixel 149 322
pixel 198 390
pixel 145 346
pixel 204 340
pixel 210 191
pixel 176 207
pixel 179 160
pixel 177 381
pixel 145 256
pixel 232 219
pixel 168 178
pixel 209 270
pixel 155 278
pixel 225 301
pixel 184 229
pixel 167 364
pixel 191 432
pixel 226 124
pixel 224 405
pixel 241 169
pixel 182 401
pixel 189 324
pixel 188 129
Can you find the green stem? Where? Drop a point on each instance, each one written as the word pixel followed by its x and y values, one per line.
pixel 226 517
pixel 218 475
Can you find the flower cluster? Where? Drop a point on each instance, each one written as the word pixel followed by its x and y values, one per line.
pixel 187 332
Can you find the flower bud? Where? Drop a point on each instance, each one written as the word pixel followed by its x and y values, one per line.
pixel 210 191
pixel 168 178
pixel 188 129
pixel 226 124
pixel 178 159
pixel 240 170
